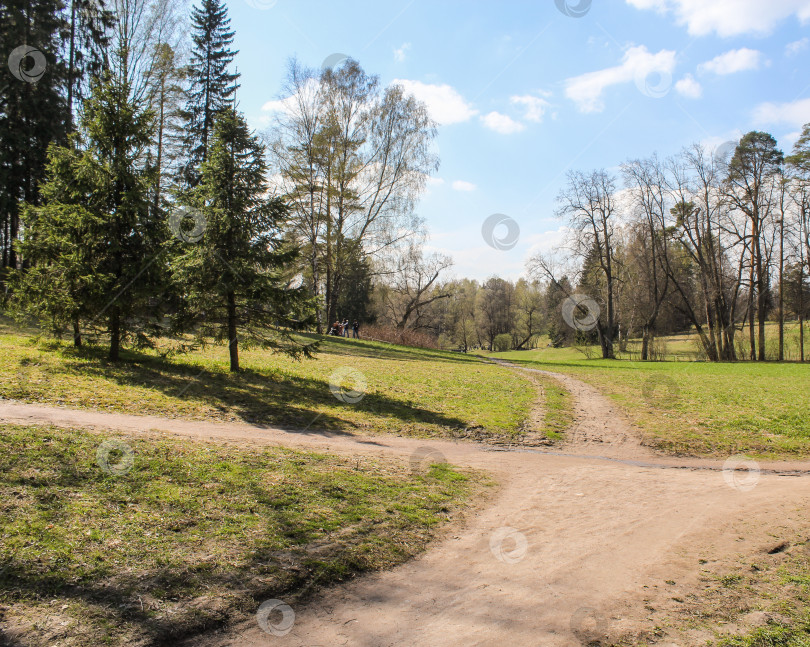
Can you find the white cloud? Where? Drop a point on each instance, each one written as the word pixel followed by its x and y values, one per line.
pixel 461 185
pixel 688 87
pixel 787 141
pixel 794 113
pixel 399 54
pixel 535 106
pixel 500 123
pixel 444 103
pixel 281 105
pixel 547 242
pixel 716 142
pixel 729 17
pixel 797 46
pixel 434 181
pixel 736 60
pixel 637 64
pixel 289 104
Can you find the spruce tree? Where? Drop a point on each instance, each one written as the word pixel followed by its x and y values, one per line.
pixel 211 85
pixel 232 276
pixel 33 110
pixel 89 25
pixel 95 250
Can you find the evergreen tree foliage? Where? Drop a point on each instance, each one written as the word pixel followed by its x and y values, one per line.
pixel 94 250
pixel 232 275
pixel 211 86
pixel 33 110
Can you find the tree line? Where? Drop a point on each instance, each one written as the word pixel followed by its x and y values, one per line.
pixel 136 203
pixel 711 241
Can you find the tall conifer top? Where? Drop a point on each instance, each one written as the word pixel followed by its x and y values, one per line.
pixel 212 85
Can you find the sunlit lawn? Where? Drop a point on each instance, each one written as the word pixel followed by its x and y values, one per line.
pixel 193 534
pixel 384 388
pixel 699 407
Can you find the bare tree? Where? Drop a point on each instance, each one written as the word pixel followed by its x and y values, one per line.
pixel 751 188
pixel 140 27
pixel 645 181
pixel 702 228
pixel 588 203
pixel 352 158
pixel 412 285
pixel 799 169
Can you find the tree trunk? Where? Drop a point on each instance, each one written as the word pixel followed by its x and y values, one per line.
pixel 760 303
pixel 330 316
pixel 801 311
pixel 751 326
pixel 77 333
pixel 606 343
pixel 159 152
pixel 71 57
pixel 781 289
pixel 645 344
pixel 14 226
pixel 233 343
pixel 115 333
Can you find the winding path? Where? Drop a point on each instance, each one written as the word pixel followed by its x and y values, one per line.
pixel 576 545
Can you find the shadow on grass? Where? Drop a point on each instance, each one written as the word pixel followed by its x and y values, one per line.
pixel 116 599
pixel 292 565
pixel 366 348
pixel 254 396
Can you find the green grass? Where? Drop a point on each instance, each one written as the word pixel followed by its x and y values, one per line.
pixel 687 346
pixel 773 636
pixel 778 584
pixel 699 408
pixel 195 533
pixel 558 407
pixel 409 391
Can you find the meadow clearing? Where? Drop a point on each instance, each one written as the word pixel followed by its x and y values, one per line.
pixel 199 532
pixel 697 408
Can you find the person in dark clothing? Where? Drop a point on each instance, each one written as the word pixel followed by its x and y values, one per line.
pixel 356 330
pixel 345 327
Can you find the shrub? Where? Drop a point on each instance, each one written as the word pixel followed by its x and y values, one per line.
pixel 502 343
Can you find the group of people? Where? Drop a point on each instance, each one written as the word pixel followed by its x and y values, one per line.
pixel 342 329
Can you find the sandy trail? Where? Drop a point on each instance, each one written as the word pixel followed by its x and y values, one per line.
pixel 574 545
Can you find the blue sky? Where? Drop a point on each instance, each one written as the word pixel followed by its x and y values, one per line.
pixel 524 92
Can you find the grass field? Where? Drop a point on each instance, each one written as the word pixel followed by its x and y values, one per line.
pixel 400 390
pixel 699 407
pixel 687 346
pixel 195 533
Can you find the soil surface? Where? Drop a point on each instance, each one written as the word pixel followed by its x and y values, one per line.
pixel 584 544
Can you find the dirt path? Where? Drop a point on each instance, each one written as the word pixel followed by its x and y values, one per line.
pixel 577 545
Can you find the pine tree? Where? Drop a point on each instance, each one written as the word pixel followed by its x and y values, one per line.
pixel 93 246
pixel 212 86
pixel 232 277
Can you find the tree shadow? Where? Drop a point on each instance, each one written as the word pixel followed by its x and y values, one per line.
pixel 293 568
pixel 253 396
pixel 382 350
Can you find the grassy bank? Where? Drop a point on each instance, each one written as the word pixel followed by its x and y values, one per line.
pixel 193 534
pixel 391 389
